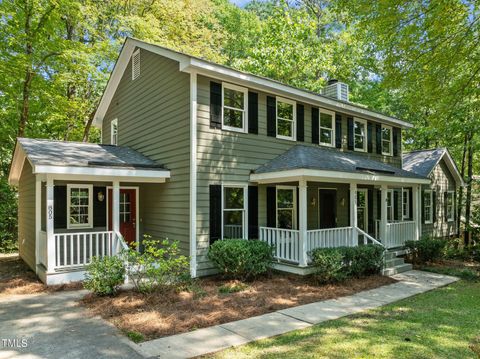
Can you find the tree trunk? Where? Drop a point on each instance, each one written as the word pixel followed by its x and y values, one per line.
pixel 88 126
pixel 468 202
pixel 460 191
pixel 27 82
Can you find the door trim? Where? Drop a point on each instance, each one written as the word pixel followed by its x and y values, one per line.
pixel 336 204
pixel 137 216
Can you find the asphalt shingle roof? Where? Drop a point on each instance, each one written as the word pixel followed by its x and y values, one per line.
pixel 422 162
pixel 80 154
pixel 319 158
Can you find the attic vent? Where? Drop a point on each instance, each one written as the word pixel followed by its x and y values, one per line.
pixel 336 89
pixel 135 64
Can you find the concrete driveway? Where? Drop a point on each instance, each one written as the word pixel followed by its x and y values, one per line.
pixel 53 326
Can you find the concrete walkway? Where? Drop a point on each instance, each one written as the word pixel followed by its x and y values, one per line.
pixel 223 336
pixel 54 326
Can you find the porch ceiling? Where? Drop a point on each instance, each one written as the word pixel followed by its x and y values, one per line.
pixel 320 164
pixel 84 161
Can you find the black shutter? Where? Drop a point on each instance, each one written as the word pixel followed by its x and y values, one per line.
pixel 455 206
pixel 379 204
pixel 378 130
pixel 215 213
pixel 315 125
pixel 434 195
pixel 338 131
pixel 99 208
pixel 410 203
pixel 252 212
pixel 395 205
pixel 271 207
pixel 300 123
pixel 397 143
pixel 422 200
pixel 215 105
pixel 271 116
pixel 253 112
pixel 371 222
pixel 445 200
pixel 60 207
pixel 370 137
pixel 350 135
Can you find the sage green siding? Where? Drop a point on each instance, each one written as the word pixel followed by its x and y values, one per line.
pixel 153 113
pixel 26 216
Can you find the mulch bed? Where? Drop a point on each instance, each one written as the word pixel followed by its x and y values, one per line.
pixel 17 278
pixel 169 312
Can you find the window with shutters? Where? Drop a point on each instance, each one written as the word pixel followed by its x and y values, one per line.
pixel 234 208
pixel 286 207
pixel 79 206
pixel 234 107
pixel 406 203
pixel 450 205
pixel 286 119
pixel 327 128
pixel 360 135
pixel 135 65
pixel 114 132
pixel 428 206
pixel 387 143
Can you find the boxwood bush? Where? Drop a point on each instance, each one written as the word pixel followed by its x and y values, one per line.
pixel 241 259
pixel 104 275
pixel 425 250
pixel 337 264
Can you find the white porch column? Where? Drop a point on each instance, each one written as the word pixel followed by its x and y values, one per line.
pixel 353 212
pixel 416 210
pixel 38 221
pixel 116 206
pixel 302 226
pixel 49 223
pixel 383 213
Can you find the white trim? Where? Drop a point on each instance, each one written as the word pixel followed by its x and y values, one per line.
pixel 38 221
pixel 407 191
pixel 113 124
pixel 452 218
pixel 136 74
pixel 90 206
pixel 340 177
pixel 244 90
pixel 392 205
pixel 294 208
pixel 390 153
pixel 365 139
pixel 332 114
pixel 97 171
pixel 244 186
pixel 294 119
pixel 430 219
pixel 193 175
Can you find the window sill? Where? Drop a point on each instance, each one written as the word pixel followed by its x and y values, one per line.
pixel 387 154
pixel 234 129
pixel 359 150
pixel 327 144
pixel 286 138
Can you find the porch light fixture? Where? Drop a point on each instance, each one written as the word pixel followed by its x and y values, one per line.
pixel 342 201
pixel 313 202
pixel 100 196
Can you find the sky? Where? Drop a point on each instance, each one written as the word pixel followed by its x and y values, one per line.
pixel 240 3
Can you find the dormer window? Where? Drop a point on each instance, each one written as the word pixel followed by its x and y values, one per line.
pixel 327 128
pixel 234 105
pixel 114 132
pixel 135 65
pixel 387 140
pixel 360 138
pixel 286 117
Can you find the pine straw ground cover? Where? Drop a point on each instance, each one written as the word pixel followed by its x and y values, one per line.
pixel 215 301
pixel 17 278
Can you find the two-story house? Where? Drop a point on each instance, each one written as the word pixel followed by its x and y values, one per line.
pixel 198 152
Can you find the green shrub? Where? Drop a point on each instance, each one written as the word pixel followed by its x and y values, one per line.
pixel 232 288
pixel 425 250
pixel 157 266
pixel 337 264
pixel 241 259
pixel 104 275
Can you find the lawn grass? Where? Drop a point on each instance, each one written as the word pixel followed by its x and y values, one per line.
pixel 444 323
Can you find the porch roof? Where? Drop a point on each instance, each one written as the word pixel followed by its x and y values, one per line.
pixel 79 159
pixel 315 162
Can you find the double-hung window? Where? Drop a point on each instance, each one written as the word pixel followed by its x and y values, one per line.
pixel 428 206
pixel 234 204
pixel 79 206
pixel 390 205
pixel 387 142
pixel 450 205
pixel 405 203
pixel 234 105
pixel 286 119
pixel 114 132
pixel 327 128
pixel 286 207
pixel 360 135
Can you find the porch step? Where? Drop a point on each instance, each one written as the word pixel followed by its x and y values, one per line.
pixel 397 269
pixel 390 263
pixel 395 263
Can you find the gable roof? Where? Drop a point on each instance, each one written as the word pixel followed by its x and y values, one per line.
pixel 302 157
pixel 49 156
pixel 423 162
pixel 192 64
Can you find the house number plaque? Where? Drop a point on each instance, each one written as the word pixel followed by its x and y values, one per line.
pixel 50 212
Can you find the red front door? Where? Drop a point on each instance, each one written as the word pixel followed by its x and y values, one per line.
pixel 128 214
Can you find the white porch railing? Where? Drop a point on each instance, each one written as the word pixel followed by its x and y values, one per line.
pixel 331 237
pixel 399 232
pixel 285 241
pixel 77 249
pixel 42 248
